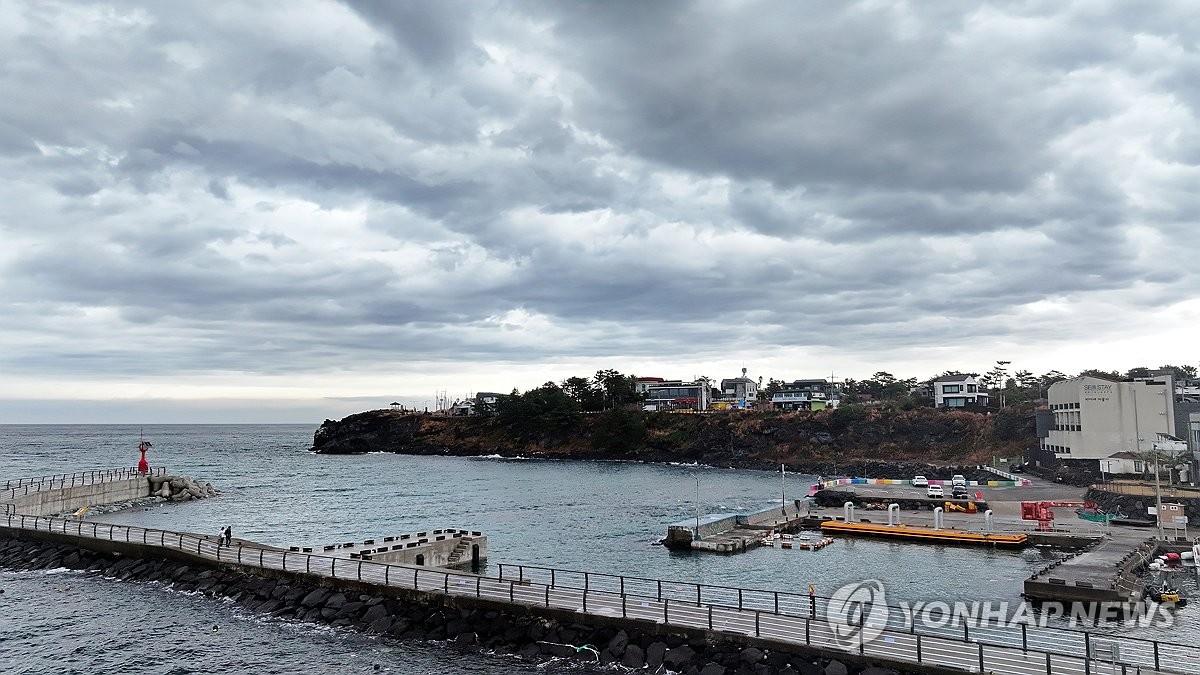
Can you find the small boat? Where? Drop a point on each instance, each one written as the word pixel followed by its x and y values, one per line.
pixel 1092 512
pixel 1165 594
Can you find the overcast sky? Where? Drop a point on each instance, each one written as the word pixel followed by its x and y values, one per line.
pixel 291 211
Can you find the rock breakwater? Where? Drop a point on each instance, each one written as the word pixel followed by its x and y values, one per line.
pixel 180 488
pixel 533 637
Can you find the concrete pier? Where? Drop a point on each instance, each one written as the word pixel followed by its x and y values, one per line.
pixel 732 532
pixel 446 547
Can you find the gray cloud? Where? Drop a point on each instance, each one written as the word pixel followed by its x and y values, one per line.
pixel 359 186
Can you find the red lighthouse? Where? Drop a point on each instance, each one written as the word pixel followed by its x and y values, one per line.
pixel 143 465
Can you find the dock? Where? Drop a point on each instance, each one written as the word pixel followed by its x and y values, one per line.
pixel 927 534
pixel 1106 573
pixel 734 532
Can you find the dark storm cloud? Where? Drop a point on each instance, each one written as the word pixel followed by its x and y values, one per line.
pixel 340 185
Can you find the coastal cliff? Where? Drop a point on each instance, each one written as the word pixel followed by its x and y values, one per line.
pixel 827 442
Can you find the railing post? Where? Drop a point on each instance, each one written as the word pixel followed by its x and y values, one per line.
pixel 180 547
pixel 1024 637
pixel 478 587
pixel 110 532
pixel 622 585
pixel 807 631
pixel 360 570
pixel 415 570
pixel 710 617
pixel 445 587
pixel 585 602
pixel 966 634
pixel 333 568
pixel 659 589
pixel 624 611
pixel 1156 666
pixel 918 647
pixel 261 551
pixel 981 657
pixel 387 570
pixel 1087 653
pixel 308 564
pixel 511 583
pixel 697 595
pixel 285 562
pixel 666 613
pixel 739 598
pixel 547 596
pixel 1048 663
pixel 551 576
pixel 756 617
pixel 776 602
pixel 239 556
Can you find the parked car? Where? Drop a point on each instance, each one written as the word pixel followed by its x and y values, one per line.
pixel 960 492
pixel 1016 468
pixel 958 479
pixel 920 481
pixel 935 492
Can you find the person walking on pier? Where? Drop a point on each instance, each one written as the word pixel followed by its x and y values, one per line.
pixel 228 535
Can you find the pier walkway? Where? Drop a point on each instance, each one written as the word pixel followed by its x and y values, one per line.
pixel 786 619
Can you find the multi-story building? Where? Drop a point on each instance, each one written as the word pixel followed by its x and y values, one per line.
pixel 806 395
pixel 740 392
pixel 1096 419
pixel 958 391
pixel 677 395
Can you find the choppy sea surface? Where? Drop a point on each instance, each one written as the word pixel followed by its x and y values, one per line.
pixel 595 516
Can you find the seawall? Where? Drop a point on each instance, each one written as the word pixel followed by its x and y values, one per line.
pixel 70 498
pixel 466 622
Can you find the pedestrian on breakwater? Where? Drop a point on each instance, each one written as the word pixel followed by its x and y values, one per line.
pixel 228 535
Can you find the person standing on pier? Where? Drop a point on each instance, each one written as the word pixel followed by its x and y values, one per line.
pixel 228 535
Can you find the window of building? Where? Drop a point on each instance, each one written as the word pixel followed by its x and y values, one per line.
pixel 951 388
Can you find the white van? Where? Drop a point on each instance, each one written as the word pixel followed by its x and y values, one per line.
pixel 935 492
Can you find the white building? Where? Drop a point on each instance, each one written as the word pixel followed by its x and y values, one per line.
pixel 1096 419
pixel 958 391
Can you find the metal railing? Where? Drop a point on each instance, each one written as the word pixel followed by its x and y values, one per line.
pixel 786 617
pixel 20 487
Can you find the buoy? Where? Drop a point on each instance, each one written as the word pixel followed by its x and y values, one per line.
pixel 216 627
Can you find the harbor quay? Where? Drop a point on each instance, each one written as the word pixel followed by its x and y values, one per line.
pixel 1105 565
pixel 643 621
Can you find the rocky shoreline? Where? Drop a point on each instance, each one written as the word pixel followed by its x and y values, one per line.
pixel 532 637
pixel 868 443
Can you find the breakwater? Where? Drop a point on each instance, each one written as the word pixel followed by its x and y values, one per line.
pixel 712 622
pixel 409 614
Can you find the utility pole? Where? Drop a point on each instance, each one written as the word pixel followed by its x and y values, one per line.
pixel 1157 493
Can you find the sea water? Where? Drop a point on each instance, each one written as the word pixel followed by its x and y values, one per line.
pixel 594 516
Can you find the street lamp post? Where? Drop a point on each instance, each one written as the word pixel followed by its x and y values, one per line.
pixel 1003 374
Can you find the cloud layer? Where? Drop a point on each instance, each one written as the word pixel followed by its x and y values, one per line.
pixel 360 197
